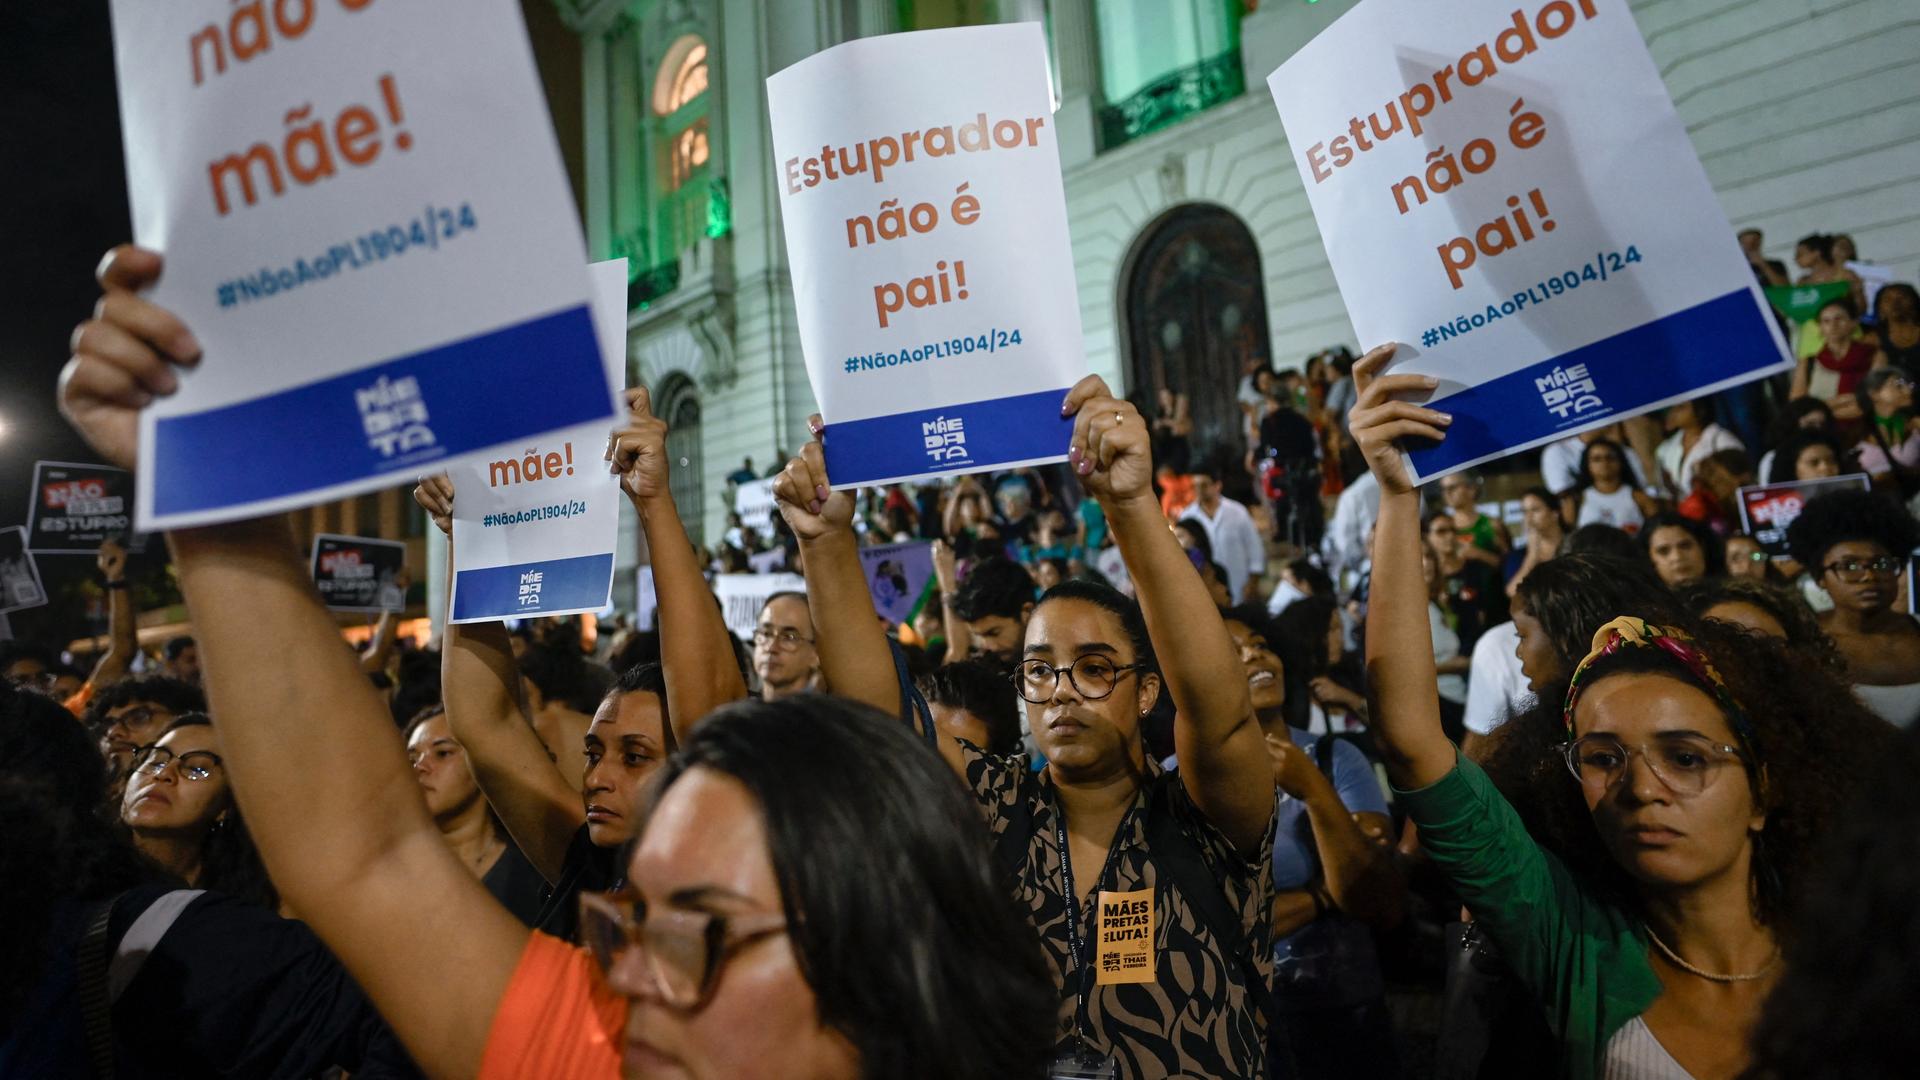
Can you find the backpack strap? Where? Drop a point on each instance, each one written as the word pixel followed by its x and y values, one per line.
pixel 96 1006
pixel 913 705
pixel 1175 854
pixel 143 937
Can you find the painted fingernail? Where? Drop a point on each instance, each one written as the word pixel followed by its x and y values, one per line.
pixel 813 507
pixel 1446 418
pixel 820 492
pixel 1084 467
pixel 167 383
pixel 1431 381
pixel 814 427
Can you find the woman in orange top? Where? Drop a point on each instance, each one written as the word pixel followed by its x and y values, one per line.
pixel 811 895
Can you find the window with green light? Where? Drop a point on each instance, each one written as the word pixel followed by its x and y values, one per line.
pixel 1162 61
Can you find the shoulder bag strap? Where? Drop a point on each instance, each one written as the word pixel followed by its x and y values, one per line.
pixel 96 1006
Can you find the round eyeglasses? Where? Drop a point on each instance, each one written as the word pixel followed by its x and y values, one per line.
pixel 1092 676
pixel 671 954
pixel 193 765
pixel 1686 764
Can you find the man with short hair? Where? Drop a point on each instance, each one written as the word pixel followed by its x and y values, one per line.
pixel 132 713
pixel 182 660
pixel 1236 542
pixel 972 700
pixel 994 601
pixel 783 653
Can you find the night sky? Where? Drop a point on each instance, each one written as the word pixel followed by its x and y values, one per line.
pixel 63 203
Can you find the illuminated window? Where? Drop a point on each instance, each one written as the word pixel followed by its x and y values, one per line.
pixel 689 152
pixel 683 75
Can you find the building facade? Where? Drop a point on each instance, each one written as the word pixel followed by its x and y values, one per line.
pixel 1194 246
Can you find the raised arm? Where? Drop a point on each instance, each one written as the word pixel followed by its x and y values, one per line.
pixel 1401 678
pixel 854 655
pixel 1222 760
pixel 959 636
pixel 480 690
pixel 696 654
pixel 314 759
pixel 122 639
pixel 380 649
pixel 1357 871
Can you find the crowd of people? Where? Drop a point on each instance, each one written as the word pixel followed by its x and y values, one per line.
pixel 1158 781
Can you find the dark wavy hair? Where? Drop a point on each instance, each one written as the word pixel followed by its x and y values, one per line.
pixel 994 586
pixel 1578 593
pixel 1714 548
pixel 1583 479
pixel 58 848
pixel 1787 607
pixel 1844 1007
pixel 981 686
pixel 1786 453
pixel 229 861
pixel 1811 737
pixel 174 695
pixel 1842 516
pixel 898 915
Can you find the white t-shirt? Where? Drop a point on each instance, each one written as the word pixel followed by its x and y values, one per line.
pixel 1446 646
pixel 1677 467
pixel 1344 547
pixel 1560 465
pixel 1237 546
pixel 1496 689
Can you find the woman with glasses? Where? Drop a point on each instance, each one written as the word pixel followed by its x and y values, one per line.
pixel 1152 892
pixel 784 658
pixel 182 816
pixel 1890 453
pixel 1855 545
pixel 892 922
pixel 1645 901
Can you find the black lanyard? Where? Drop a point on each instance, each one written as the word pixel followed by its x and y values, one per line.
pixel 1075 947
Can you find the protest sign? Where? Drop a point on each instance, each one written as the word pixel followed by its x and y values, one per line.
pixel 754 503
pixel 743 595
pixel 73 508
pixel 1767 509
pixel 897 577
pixel 368 229
pixel 356 573
pixel 1505 190
pixel 926 228
pixel 19 578
pixel 534 530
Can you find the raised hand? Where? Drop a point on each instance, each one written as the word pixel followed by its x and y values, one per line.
pixel 1293 769
pixel 945 568
pixel 435 496
pixel 112 561
pixel 638 449
pixel 1112 448
pixel 123 357
pixel 806 498
pixel 1379 419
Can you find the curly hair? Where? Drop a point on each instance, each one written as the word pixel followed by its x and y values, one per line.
pixel 1787 607
pixel 1844 1006
pixel 1812 743
pixel 176 696
pixel 1784 467
pixel 1842 516
pixel 1577 593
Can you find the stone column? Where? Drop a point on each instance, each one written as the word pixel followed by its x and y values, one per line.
pixel 1076 47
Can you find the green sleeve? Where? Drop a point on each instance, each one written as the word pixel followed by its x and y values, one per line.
pixel 1584 960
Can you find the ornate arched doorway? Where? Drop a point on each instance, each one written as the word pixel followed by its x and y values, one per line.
pixel 1196 313
pixel 679 405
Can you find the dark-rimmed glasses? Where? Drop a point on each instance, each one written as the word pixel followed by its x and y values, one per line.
pixel 1092 676
pixel 192 765
pixel 673 955
pixel 1854 571
pixel 788 639
pixel 1685 763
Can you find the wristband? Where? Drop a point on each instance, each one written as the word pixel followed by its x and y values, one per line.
pixel 121 584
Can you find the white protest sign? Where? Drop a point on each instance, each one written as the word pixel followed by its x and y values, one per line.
pixel 753 501
pixel 926 228
pixel 743 595
pixel 1506 191
pixel 534 530
pixel 367 227
pixel 19 575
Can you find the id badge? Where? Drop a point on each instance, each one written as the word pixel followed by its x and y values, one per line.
pixel 1078 1060
pixel 1124 952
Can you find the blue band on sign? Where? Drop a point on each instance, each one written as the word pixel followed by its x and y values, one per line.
pixel 1718 341
pixel 507 384
pixel 953 438
pixel 551 585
